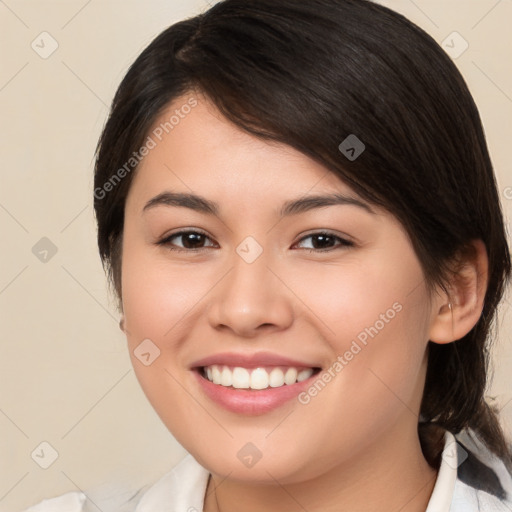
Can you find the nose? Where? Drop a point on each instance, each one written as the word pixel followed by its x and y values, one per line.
pixel 250 299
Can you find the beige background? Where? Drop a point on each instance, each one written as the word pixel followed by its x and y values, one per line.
pixel 65 376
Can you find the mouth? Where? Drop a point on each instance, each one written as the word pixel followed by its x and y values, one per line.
pixel 255 379
pixel 253 391
pixel 252 383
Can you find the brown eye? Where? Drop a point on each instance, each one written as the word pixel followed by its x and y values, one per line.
pixel 190 240
pixel 323 242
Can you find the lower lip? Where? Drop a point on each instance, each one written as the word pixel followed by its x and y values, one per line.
pixel 252 402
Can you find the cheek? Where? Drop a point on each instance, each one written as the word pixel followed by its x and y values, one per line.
pixel 358 296
pixel 374 317
pixel 160 301
pixel 158 296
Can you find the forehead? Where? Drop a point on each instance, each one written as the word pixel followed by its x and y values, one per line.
pixel 194 148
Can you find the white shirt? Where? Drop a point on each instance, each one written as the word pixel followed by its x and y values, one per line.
pixel 470 479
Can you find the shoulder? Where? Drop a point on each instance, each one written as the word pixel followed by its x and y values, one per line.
pixel 70 502
pixel 183 487
pixel 467 498
pixel 107 498
pixel 482 478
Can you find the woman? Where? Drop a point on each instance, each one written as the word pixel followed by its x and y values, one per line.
pixel 299 216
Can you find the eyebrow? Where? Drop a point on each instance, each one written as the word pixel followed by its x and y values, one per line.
pixel 292 207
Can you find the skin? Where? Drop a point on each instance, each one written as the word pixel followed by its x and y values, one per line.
pixel 355 445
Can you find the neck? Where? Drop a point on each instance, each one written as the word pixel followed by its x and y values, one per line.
pixel 392 474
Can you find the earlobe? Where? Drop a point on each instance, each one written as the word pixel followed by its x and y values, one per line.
pixel 121 323
pixel 459 311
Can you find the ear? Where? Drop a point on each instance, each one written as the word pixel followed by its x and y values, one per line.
pixel 121 324
pixel 455 313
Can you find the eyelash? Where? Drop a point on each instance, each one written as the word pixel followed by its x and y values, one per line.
pixel 166 241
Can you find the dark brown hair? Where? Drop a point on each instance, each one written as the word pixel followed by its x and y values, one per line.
pixel 309 74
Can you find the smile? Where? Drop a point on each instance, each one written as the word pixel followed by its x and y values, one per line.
pixel 261 389
pixel 256 378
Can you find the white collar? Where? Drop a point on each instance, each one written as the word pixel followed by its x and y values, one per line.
pixel 442 495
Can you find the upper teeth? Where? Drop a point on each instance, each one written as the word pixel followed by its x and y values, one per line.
pixel 257 378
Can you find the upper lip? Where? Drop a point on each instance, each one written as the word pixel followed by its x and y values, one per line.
pixel 257 359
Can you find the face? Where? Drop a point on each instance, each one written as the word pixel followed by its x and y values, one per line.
pixel 332 287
